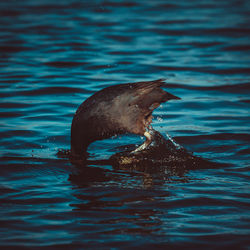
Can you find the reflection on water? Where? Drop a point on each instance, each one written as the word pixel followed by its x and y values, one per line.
pixel 55 54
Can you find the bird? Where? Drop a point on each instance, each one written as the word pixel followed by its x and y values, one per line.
pixel 115 110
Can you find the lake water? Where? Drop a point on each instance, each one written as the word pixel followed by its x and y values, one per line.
pixel 55 54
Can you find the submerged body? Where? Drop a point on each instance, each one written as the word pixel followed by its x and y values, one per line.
pixel 119 109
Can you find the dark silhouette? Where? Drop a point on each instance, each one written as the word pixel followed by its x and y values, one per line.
pixel 119 109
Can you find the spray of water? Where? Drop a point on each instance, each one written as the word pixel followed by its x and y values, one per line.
pixel 178 146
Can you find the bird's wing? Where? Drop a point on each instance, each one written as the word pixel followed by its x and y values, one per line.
pixel 142 88
pixel 149 95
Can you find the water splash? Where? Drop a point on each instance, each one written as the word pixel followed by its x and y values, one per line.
pixel 178 146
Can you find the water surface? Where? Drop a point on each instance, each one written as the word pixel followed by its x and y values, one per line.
pixel 55 54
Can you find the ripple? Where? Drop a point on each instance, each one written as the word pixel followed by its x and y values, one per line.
pixel 12 49
pixel 51 91
pixel 231 88
pixel 240 47
pixel 63 64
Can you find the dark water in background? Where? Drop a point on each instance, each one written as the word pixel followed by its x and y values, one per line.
pixel 54 54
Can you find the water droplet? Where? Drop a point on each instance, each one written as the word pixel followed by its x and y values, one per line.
pixel 178 146
pixel 159 119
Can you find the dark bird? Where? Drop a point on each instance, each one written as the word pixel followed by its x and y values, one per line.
pixel 119 109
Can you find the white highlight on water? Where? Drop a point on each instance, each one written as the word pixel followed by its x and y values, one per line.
pixel 178 146
pixel 159 119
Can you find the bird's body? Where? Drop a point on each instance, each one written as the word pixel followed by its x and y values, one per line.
pixel 119 109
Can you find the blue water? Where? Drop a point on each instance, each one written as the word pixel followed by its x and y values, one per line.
pixel 55 54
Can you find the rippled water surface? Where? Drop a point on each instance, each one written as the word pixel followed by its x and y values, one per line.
pixel 55 54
